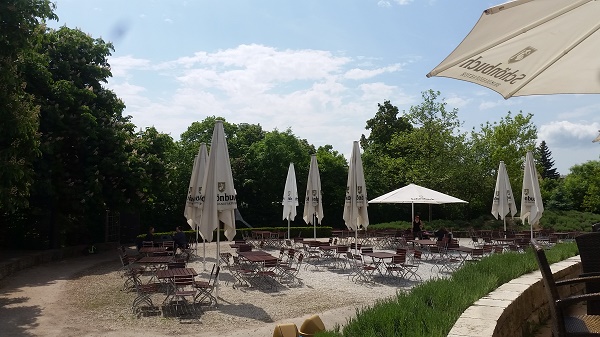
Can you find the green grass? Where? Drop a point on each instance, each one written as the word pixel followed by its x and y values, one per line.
pixel 432 308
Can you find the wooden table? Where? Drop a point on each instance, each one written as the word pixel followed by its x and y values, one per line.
pixel 170 273
pixel 380 256
pixel 152 250
pixel 257 256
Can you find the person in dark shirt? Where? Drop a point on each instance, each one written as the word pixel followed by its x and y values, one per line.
pixel 418 227
pixel 180 239
pixel 441 233
pixel 150 235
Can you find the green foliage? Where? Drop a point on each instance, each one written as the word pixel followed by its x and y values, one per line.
pixel 545 161
pixel 432 308
pixel 20 26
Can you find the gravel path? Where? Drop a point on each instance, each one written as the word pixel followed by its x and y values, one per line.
pixel 82 297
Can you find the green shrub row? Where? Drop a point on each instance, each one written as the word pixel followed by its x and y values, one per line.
pixel 431 308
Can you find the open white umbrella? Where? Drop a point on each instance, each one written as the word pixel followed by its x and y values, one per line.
pixel 504 202
pixel 313 205
pixel 532 206
pixel 219 193
pixel 531 47
pixel 415 194
pixel 193 205
pixel 290 197
pixel 355 206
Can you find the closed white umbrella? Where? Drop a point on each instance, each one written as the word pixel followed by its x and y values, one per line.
pixel 531 47
pixel 290 197
pixel 504 202
pixel 355 206
pixel 532 206
pixel 313 205
pixel 193 205
pixel 219 193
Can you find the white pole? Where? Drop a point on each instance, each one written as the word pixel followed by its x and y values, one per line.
pixel 315 225
pixel 289 238
pixel 204 254
pixel 218 259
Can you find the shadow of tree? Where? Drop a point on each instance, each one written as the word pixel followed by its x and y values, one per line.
pixel 18 319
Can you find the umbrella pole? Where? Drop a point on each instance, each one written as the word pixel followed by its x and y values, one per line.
pixel 204 254
pixel 356 240
pixel 504 219
pixel 289 228
pixel 218 260
pixel 315 225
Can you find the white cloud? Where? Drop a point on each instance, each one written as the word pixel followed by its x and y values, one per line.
pixel 457 102
pixel 361 74
pixel 120 66
pixel 565 134
pixel 387 3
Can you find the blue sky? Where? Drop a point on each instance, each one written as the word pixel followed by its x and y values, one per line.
pixel 317 66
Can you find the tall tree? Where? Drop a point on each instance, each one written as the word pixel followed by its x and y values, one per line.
pixel 82 169
pixel 19 30
pixel 546 162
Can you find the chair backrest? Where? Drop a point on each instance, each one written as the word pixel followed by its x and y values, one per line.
pixel 367 250
pixel 183 280
pixel 589 251
pixel 399 258
pixel 147 244
pixel 558 325
pixel 400 250
pixel 341 249
pixel 417 254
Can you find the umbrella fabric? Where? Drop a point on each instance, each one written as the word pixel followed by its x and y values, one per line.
pixel 415 194
pixel 290 196
pixel 193 210
pixel 219 193
pixel 193 205
pixel 503 202
pixel 531 47
pixel 355 207
pixel 532 206
pixel 313 205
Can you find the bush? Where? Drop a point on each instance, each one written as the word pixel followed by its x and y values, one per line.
pixel 432 308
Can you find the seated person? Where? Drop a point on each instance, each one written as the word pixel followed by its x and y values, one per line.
pixel 441 233
pixel 180 239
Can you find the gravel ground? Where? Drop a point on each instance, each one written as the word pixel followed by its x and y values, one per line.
pixel 83 297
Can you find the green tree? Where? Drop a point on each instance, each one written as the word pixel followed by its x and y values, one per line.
pixel 545 161
pixel 260 190
pixel 582 186
pixel 20 25
pixel 80 173
pixel 507 140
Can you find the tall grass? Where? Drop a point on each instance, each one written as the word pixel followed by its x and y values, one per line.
pixel 431 308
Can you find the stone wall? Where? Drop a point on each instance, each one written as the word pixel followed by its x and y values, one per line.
pixel 516 308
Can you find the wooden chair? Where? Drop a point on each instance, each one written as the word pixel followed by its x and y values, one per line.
pixel 205 289
pixel 589 251
pixel 564 325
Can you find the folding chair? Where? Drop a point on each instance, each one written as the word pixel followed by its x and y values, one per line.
pixel 412 268
pixel 395 268
pixel 142 303
pixel 290 271
pixel 205 289
pixel 241 272
pixel 184 294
